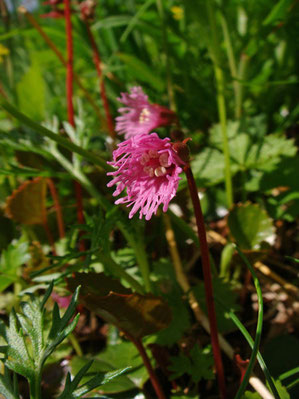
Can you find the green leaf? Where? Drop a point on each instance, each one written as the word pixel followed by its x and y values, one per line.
pixel 278 12
pixel 281 354
pixel 31 92
pixel 250 147
pixel 225 294
pixel 198 365
pixel 137 314
pixel 250 225
pixel 11 259
pixel 26 349
pixel 121 383
pixel 6 386
pixel 251 395
pixel 72 389
pixel 283 393
pixel 140 71
pixel 113 21
pixel 208 167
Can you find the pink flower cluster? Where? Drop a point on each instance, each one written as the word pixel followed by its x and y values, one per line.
pixel 147 167
pixel 139 116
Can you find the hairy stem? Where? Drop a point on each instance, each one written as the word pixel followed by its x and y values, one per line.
pixel 207 279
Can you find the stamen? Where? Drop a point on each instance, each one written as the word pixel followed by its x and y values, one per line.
pixel 160 171
pixel 163 159
pixel 153 154
pixel 148 170
pixel 144 158
pixel 144 115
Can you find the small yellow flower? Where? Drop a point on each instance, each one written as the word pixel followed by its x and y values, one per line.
pixel 178 12
pixel 3 51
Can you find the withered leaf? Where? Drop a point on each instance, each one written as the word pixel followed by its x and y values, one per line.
pixel 27 204
pixel 138 315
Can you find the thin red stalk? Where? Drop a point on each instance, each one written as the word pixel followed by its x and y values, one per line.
pixel 97 62
pixel 70 107
pixel 69 62
pixel 59 55
pixel 153 377
pixel 2 92
pixel 59 216
pixel 207 280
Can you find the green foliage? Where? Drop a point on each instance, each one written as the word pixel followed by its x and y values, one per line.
pixel 250 225
pixel 226 295
pixel 27 360
pixel 31 92
pixel 11 259
pixel 176 53
pixel 72 389
pixel 198 364
pixel 114 357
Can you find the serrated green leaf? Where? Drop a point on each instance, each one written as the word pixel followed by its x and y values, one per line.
pixel 198 364
pixel 101 366
pixel 250 225
pixel 72 392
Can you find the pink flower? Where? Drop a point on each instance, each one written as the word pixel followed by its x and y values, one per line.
pixel 139 116
pixel 148 168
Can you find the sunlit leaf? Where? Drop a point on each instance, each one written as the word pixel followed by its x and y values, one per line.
pixel 27 203
pixel 136 314
pixel 250 225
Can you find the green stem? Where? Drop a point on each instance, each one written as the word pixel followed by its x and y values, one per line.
pixel 75 345
pixel 167 60
pixel 53 136
pixel 250 341
pixel 137 244
pixel 230 52
pixel 240 87
pixel 223 123
pixel 259 326
pixel 119 272
pixel 215 55
pixel 35 387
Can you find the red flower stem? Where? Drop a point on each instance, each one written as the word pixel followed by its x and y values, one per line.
pixel 69 62
pixel 153 377
pixel 207 280
pixel 97 62
pixel 70 107
pixel 59 216
pixel 59 55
